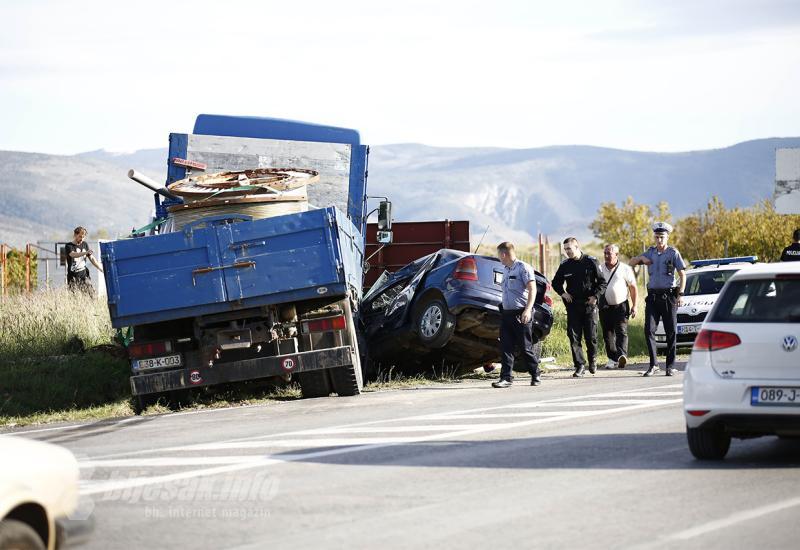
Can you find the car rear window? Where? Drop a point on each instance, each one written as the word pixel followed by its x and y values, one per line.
pixel 759 301
pixel 707 282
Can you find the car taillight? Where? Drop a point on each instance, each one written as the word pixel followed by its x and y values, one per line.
pixel 698 413
pixel 714 340
pixel 325 325
pixel 149 349
pixel 547 299
pixel 466 270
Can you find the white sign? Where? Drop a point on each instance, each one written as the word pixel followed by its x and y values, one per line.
pixel 787 181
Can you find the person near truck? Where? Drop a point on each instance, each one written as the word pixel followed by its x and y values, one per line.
pixel 792 252
pixel 664 296
pixel 516 319
pixel 584 285
pixel 617 304
pixel 77 253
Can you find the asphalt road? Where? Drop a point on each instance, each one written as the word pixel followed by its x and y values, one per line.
pixel 600 462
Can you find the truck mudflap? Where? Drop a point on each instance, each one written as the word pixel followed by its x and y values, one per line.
pixel 242 370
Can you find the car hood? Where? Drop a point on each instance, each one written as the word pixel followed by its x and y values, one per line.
pixel 37 472
pixel 697 304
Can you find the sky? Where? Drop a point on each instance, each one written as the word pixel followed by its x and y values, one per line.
pixel 647 75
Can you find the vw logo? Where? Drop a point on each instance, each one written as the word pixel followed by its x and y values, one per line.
pixel 694 311
pixel 789 343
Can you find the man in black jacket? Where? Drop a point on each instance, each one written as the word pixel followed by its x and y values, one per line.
pixel 792 252
pixel 585 284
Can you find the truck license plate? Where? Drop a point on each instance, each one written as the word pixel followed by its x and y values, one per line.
pixel 689 329
pixel 157 362
pixel 775 396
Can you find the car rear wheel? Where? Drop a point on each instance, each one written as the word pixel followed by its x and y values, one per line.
pixel 708 443
pixel 434 323
pixel 18 535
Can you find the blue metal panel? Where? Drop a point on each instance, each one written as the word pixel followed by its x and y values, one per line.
pixel 178 147
pixel 289 252
pixel 356 207
pixel 297 256
pixel 156 273
pixel 273 128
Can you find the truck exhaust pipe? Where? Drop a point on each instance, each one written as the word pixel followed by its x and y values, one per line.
pixel 145 181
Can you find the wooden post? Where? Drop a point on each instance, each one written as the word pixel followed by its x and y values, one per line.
pixel 28 268
pixel 547 254
pixel 3 253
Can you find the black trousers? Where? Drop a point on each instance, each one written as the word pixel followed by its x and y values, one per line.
pixel 80 281
pixel 582 325
pixel 614 323
pixel 660 306
pixel 514 334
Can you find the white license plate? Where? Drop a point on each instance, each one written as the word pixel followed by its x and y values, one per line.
pixel 775 396
pixel 689 329
pixel 157 362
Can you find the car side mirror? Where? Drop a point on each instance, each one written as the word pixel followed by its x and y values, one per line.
pixel 385 216
pixel 384 237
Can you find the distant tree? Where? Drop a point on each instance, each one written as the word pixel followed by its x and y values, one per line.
pixel 627 225
pixel 15 270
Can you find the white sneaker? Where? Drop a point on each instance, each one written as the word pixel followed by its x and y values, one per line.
pixel 611 365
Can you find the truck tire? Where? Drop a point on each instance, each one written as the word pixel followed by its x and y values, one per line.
pixel 433 323
pixel 708 443
pixel 349 380
pixel 18 535
pixel 314 384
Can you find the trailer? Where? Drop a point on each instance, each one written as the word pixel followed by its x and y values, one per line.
pixel 229 297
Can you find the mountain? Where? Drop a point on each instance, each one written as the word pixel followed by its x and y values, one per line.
pixel 514 192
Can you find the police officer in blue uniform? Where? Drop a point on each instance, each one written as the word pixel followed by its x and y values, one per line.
pixel 664 296
pixel 516 324
pixel 585 284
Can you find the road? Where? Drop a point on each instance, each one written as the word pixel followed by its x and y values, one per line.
pixel 599 462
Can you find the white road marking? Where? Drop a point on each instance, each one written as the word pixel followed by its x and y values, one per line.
pixel 733 519
pixel 168 461
pixel 394 429
pixel 496 408
pixel 270 460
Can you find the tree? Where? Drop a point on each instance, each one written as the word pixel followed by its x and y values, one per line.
pixel 628 226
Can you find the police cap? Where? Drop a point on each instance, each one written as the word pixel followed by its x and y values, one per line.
pixel 662 227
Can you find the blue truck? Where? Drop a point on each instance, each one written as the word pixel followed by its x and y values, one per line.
pixel 227 297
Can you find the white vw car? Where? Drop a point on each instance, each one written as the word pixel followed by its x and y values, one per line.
pixel 743 377
pixel 703 284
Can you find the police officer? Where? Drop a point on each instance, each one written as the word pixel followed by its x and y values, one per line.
pixel 516 325
pixel 664 297
pixel 792 252
pixel 585 284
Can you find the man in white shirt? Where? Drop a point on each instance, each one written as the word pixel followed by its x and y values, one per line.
pixel 617 303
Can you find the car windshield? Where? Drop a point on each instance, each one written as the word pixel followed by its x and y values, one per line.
pixel 760 301
pixel 706 282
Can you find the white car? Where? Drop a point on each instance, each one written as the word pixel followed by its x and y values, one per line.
pixel 38 492
pixel 703 284
pixel 743 377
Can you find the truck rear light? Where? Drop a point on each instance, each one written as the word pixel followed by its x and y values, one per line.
pixel 714 340
pixel 466 270
pixel 149 349
pixel 325 325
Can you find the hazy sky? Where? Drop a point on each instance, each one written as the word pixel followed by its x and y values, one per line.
pixel 661 75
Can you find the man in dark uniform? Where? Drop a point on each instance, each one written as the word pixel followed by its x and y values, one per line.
pixel 516 323
pixel 664 297
pixel 792 252
pixel 585 284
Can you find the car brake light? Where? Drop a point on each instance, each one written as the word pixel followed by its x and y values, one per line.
pixel 149 349
pixel 466 270
pixel 698 413
pixel 547 299
pixel 325 325
pixel 714 340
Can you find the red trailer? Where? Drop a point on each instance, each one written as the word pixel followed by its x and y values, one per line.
pixel 411 241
